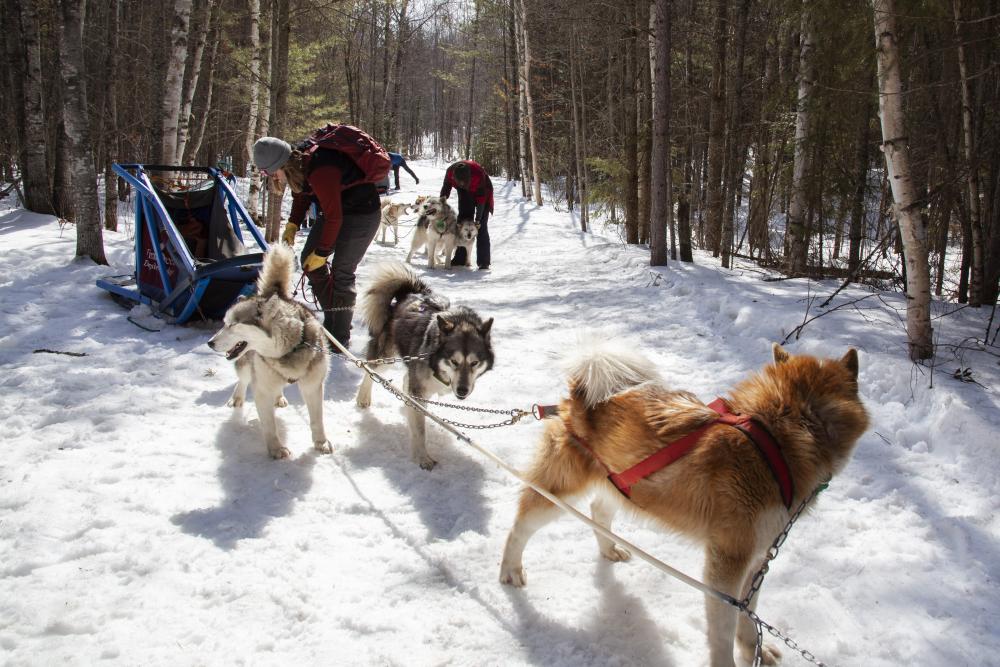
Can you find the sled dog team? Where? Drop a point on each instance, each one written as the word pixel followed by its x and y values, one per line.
pixel 732 490
pixel 438 230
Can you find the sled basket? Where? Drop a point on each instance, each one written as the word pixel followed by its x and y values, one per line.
pixel 190 256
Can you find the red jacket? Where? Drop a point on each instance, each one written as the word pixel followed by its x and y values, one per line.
pixel 326 172
pixel 480 185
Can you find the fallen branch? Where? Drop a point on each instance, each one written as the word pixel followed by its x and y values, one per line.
pixel 68 354
pixel 798 330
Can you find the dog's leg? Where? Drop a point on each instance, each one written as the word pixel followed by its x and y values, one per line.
pixel 364 397
pixel 395 232
pixel 432 246
pixel 557 470
pixel 265 396
pixel 449 250
pixel 312 392
pixel 746 631
pixel 603 511
pixel 243 375
pixel 468 255
pixel 416 421
pixel 725 569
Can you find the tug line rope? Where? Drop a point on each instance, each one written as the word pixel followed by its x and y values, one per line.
pixel 743 606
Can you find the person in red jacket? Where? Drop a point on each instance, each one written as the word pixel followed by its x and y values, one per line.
pixel 348 215
pixel 475 200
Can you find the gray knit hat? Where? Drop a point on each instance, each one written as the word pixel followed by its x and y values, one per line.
pixel 270 154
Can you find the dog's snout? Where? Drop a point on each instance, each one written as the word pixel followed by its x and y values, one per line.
pixel 462 392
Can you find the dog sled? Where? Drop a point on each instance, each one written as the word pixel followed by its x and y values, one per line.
pixel 191 255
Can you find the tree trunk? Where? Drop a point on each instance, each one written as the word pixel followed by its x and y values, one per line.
pixel 253 194
pixel 861 187
pixel 662 199
pixel 529 104
pixel 279 83
pixel 35 176
pixel 684 198
pixel 111 139
pixel 644 63
pixel 209 85
pixel 716 131
pixel 472 86
pixel 972 183
pixel 906 201
pixel 734 141
pixel 184 121
pixel 171 108
pixel 578 132
pixel 797 225
pixel 395 116
pixel 631 139
pixel 522 107
pixel 89 239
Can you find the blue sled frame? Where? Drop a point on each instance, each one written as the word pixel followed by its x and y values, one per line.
pixel 180 297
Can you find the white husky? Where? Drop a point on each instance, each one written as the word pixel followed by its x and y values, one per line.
pixel 436 228
pixel 275 341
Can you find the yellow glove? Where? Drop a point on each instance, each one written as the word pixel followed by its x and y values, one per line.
pixel 313 262
pixel 288 236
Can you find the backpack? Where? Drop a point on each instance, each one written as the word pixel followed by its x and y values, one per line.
pixel 366 153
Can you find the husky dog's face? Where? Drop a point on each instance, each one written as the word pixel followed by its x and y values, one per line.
pixel 431 207
pixel 229 340
pixel 465 353
pixel 467 230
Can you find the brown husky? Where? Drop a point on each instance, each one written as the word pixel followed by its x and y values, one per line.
pixel 722 492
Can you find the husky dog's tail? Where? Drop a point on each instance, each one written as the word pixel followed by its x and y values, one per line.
pixel 276 276
pixel 392 280
pixel 598 369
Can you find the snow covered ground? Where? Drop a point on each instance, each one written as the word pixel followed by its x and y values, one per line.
pixel 141 521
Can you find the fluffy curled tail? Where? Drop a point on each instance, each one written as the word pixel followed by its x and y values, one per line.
pixel 276 276
pixel 599 369
pixel 392 280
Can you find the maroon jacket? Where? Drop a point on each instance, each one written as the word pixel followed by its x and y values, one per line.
pixel 329 178
pixel 480 185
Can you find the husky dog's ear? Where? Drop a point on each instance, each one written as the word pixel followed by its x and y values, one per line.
pixel 445 326
pixel 780 356
pixel 850 362
pixel 484 328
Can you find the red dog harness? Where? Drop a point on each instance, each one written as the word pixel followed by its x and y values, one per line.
pixel 751 428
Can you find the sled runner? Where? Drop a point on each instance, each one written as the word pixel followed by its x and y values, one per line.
pixel 191 258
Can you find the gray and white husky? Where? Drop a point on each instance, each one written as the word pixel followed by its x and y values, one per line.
pixel 436 229
pixel 405 317
pixel 275 341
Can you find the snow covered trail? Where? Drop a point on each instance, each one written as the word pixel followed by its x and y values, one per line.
pixel 141 521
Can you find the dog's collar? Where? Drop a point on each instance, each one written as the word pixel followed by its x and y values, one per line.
pixel 753 429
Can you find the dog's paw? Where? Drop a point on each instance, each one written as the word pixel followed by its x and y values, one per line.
pixel 616 553
pixel 513 576
pixel 769 653
pixel 235 402
pixel 323 446
pixel 279 452
pixel 281 402
pixel 363 401
pixel 426 462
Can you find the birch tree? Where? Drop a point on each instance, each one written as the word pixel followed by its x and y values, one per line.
pixel 904 192
pixel 716 131
pixel 89 238
pixel 251 128
pixel 171 107
pixel 797 230
pixel 529 103
pixel 184 120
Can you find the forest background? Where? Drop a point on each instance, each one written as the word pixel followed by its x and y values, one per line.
pixel 850 139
